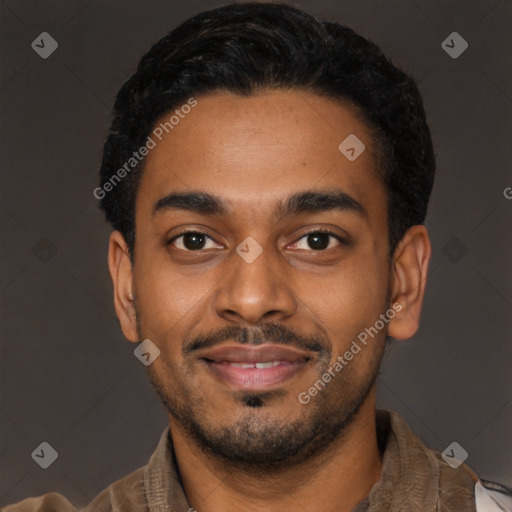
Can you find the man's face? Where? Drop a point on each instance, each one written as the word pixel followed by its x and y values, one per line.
pixel 261 174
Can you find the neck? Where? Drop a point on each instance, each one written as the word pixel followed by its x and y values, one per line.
pixel 336 480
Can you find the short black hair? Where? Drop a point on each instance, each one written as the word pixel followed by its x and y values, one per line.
pixel 250 47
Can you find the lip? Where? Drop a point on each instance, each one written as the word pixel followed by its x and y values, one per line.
pixel 278 364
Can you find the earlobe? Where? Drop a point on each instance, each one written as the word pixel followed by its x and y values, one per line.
pixel 121 272
pixel 408 280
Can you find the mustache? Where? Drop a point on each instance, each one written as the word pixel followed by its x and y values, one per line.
pixel 267 333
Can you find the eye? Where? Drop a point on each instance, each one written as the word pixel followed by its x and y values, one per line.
pixel 193 241
pixel 317 241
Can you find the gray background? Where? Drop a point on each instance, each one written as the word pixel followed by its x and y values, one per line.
pixel 67 375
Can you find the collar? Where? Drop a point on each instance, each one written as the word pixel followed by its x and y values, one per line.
pixel 413 477
pixel 408 469
pixel 164 490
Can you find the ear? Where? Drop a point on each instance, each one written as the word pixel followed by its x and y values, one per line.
pixel 121 272
pixel 408 280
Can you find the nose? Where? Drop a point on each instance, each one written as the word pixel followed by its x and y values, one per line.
pixel 255 292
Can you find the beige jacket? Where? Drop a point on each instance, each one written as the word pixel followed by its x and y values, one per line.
pixel 413 479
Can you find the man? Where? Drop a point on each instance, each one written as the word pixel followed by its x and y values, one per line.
pixel 267 177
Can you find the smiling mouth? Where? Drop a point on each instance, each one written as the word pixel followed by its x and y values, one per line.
pixel 255 367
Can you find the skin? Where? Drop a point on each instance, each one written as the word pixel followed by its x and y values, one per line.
pixel 252 153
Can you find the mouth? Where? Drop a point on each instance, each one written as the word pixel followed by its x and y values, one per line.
pixel 254 367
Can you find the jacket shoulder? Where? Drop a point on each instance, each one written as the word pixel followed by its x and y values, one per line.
pixel 126 494
pixel 51 502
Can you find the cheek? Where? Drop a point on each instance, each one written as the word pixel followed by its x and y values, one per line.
pixel 166 299
pixel 350 295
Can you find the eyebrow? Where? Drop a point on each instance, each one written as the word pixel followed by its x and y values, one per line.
pixel 301 202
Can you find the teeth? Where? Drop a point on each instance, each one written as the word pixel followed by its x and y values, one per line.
pixel 266 365
pixel 260 366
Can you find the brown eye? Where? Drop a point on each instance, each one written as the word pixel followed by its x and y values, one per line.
pixel 317 241
pixel 194 241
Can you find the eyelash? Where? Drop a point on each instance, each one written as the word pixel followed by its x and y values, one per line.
pixel 341 240
pixel 332 234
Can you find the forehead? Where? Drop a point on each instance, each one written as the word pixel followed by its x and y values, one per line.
pixel 255 150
